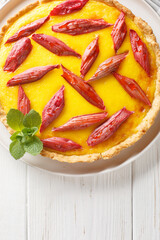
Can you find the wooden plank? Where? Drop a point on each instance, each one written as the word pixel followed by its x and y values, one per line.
pixel 12 197
pixel 146 195
pixel 80 208
pixel 12 194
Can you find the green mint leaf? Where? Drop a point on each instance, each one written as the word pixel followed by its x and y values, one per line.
pixel 16 149
pixel 15 135
pixel 26 139
pixel 15 119
pixel 32 119
pixel 34 147
pixel 24 135
pixel 30 131
pixel 34 130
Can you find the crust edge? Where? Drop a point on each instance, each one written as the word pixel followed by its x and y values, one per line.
pixel 14 18
pixel 147 121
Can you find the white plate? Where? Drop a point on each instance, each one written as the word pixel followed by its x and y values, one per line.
pixel 139 8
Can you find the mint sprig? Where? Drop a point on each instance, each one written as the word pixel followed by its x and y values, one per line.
pixel 16 149
pixel 24 139
pixel 32 119
pixel 15 119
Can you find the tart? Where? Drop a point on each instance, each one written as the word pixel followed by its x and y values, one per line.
pixel 115 59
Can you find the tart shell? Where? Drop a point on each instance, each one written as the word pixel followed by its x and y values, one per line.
pixel 142 127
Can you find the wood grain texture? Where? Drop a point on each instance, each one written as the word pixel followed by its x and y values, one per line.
pixel 12 197
pixel 146 195
pixel 80 208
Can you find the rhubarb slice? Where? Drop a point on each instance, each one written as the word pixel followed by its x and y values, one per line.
pixel 68 7
pixel 60 144
pixel 18 54
pixel 54 45
pixel 80 26
pixel 27 30
pixel 89 56
pixel 23 101
pixel 119 31
pixel 107 129
pixel 132 88
pixel 83 88
pixel 53 109
pixel 108 66
pixel 82 121
pixel 31 75
pixel 140 51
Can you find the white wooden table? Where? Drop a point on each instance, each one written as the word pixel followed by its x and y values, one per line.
pixel 124 205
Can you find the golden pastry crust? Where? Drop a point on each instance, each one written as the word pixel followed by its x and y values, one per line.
pixel 149 118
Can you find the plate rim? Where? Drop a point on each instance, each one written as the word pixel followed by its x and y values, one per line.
pixel 108 170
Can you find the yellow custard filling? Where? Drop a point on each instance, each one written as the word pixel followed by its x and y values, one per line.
pixel 108 88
